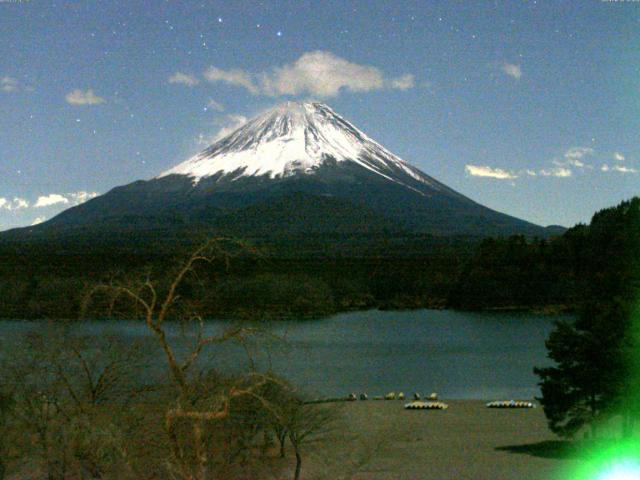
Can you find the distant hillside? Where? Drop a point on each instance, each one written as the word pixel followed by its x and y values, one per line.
pixel 316 274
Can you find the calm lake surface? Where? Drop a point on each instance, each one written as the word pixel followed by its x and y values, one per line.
pixel 457 354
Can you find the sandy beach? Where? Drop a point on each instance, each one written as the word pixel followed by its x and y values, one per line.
pixel 466 442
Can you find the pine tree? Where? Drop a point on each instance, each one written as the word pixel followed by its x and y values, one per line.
pixel 597 366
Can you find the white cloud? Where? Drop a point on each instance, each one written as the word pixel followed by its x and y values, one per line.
pixel 623 169
pixel 556 172
pixel 486 171
pixel 618 168
pixel 38 220
pixel 16 204
pixel 51 199
pixel 235 77
pixel 72 198
pixel 512 70
pixel 78 97
pixel 573 158
pixel 317 73
pixel 404 82
pixel 9 84
pixel 184 79
pixel 562 167
pixel 19 203
pixel 217 106
pixel 322 74
pixel 76 198
pixel 227 125
pixel 577 163
pixel 574 162
pixel 578 152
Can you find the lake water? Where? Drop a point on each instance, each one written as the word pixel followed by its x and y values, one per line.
pixel 457 354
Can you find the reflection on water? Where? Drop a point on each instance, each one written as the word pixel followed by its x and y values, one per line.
pixel 457 354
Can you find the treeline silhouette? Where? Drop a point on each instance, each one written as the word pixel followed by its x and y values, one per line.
pixel 300 277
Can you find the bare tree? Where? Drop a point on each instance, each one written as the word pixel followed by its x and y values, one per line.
pixel 156 308
pixel 69 398
pixel 301 423
pixel 80 408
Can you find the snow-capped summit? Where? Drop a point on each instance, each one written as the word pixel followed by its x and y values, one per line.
pixel 297 169
pixel 294 138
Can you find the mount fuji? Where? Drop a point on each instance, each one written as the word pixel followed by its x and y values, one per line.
pixel 297 169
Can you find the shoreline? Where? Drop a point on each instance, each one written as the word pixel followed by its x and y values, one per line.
pixel 465 442
pixel 545 311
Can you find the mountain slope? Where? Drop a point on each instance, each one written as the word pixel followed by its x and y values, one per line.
pixel 295 168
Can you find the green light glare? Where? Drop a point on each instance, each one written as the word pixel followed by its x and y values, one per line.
pixel 611 460
pixel 625 470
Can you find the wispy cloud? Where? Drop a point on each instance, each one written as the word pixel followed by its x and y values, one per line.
pixel 217 106
pixel 9 84
pixel 72 198
pixel 76 198
pixel 79 97
pixel 561 172
pixel 578 152
pixel 405 82
pixel 618 168
pixel 622 169
pixel 573 157
pixel 513 70
pixel 318 73
pixel 570 162
pixel 50 204
pixel 20 203
pixel 11 205
pixel 490 172
pixel 238 78
pixel 184 79
pixel 225 126
pixel 563 166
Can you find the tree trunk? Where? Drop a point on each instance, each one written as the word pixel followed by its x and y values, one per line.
pixel 298 466
pixel 593 416
pixel 282 438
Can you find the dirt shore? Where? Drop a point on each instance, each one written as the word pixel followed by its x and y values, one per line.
pixel 467 441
